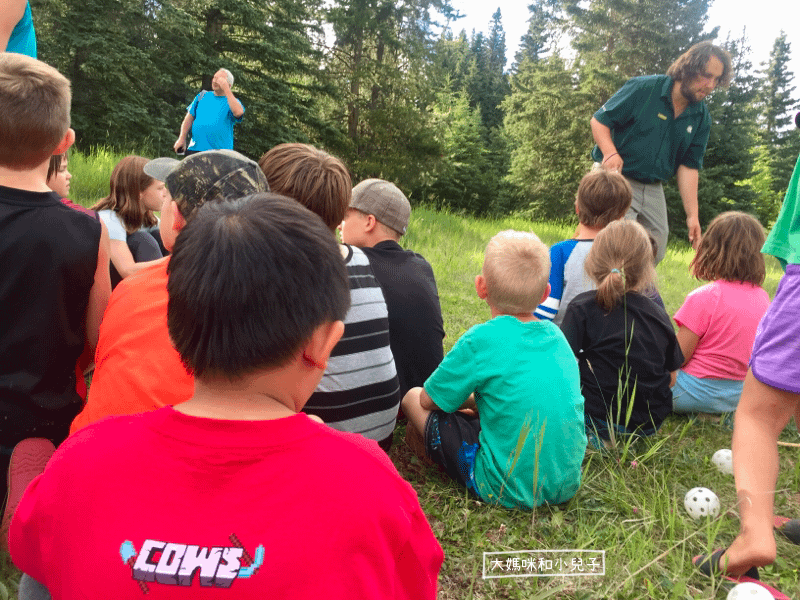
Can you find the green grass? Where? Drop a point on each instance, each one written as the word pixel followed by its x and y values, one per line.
pixel 634 513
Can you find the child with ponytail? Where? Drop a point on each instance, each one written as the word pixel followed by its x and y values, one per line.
pixel 625 344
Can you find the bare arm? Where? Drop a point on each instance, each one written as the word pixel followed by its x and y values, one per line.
pixel 426 401
pixel 100 292
pixel 186 127
pixel 10 14
pixel 687 186
pixel 612 161
pixel 236 107
pixel 122 259
pixel 687 340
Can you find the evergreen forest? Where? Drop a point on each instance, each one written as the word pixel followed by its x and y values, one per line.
pixel 398 91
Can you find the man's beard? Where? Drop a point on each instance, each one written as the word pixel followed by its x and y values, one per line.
pixel 687 93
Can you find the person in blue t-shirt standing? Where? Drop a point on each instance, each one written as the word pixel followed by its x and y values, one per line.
pixel 211 117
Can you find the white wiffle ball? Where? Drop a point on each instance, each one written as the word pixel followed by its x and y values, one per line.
pixel 749 591
pixel 701 502
pixel 723 460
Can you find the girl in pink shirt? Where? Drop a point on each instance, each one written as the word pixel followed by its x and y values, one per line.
pixel 718 321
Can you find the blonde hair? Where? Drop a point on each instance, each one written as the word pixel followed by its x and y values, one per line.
pixel 620 261
pixel 314 178
pixel 128 181
pixel 34 111
pixel 603 197
pixel 516 267
pixel 731 250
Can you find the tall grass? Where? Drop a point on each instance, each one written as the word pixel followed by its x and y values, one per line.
pixel 630 503
pixel 91 173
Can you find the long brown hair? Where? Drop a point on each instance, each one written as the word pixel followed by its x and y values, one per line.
pixel 731 250
pixel 693 62
pixel 620 261
pixel 128 181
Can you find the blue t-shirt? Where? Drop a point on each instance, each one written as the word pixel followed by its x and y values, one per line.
pixel 213 122
pixel 527 389
pixel 23 37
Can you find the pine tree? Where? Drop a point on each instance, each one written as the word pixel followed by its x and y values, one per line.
pixel 777 106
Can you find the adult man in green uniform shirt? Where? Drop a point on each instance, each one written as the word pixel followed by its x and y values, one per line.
pixel 657 126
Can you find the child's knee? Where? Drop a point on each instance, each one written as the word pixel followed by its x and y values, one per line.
pixel 411 399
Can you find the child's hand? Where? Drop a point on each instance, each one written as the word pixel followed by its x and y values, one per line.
pixel 470 412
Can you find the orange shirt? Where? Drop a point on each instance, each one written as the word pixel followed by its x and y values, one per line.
pixel 137 369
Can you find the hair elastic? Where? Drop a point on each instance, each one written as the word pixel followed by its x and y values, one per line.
pixel 615 270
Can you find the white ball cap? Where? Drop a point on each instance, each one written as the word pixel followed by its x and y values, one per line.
pixel 701 502
pixel 749 591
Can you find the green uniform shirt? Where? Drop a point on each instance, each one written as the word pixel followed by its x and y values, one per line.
pixel 783 241
pixel 648 137
pixel 527 389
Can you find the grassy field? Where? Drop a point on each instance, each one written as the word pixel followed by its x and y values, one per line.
pixel 631 501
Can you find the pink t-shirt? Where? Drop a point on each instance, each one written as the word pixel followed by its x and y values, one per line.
pixel 174 506
pixel 725 314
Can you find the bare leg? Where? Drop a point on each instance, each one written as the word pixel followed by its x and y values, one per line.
pixel 416 414
pixel 762 414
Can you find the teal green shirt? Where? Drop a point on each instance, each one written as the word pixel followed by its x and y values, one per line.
pixel 527 389
pixel 783 242
pixel 648 137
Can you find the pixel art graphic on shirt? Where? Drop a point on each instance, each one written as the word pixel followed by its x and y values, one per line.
pixel 171 563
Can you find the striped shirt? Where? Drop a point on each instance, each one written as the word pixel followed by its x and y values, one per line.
pixel 360 391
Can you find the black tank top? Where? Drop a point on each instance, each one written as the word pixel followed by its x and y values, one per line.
pixel 48 257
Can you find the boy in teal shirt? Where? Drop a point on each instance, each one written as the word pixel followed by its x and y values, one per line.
pixel 518 374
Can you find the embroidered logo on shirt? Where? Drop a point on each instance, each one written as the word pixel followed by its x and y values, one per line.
pixel 662 117
pixel 689 129
pixel 170 563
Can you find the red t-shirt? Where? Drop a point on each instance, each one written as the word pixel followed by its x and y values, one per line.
pixel 183 507
pixel 137 369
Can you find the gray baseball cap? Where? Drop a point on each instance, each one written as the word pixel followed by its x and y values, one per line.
pixel 206 177
pixel 384 201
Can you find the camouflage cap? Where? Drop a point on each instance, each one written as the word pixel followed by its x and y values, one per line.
pixel 208 176
pixel 384 201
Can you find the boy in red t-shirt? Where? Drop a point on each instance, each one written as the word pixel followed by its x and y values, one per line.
pixel 234 488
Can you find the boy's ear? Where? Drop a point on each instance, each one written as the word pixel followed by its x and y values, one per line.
pixel 480 287
pixel 66 142
pixel 370 224
pixel 577 212
pixel 178 221
pixel 546 294
pixel 319 347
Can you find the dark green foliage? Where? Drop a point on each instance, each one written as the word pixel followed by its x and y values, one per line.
pixel 547 122
pixel 777 104
pixel 136 66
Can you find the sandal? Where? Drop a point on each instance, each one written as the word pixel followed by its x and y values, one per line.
pixel 28 460
pixel 789 528
pixel 709 565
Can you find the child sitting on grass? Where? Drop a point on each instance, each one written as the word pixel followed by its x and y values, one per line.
pixel 54 282
pixel 602 197
pixel 718 321
pixel 624 342
pixel 526 444
pixel 233 488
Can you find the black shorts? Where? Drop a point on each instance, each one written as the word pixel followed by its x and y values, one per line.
pixel 451 441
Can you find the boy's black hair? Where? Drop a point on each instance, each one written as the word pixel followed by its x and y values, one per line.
pixel 249 282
